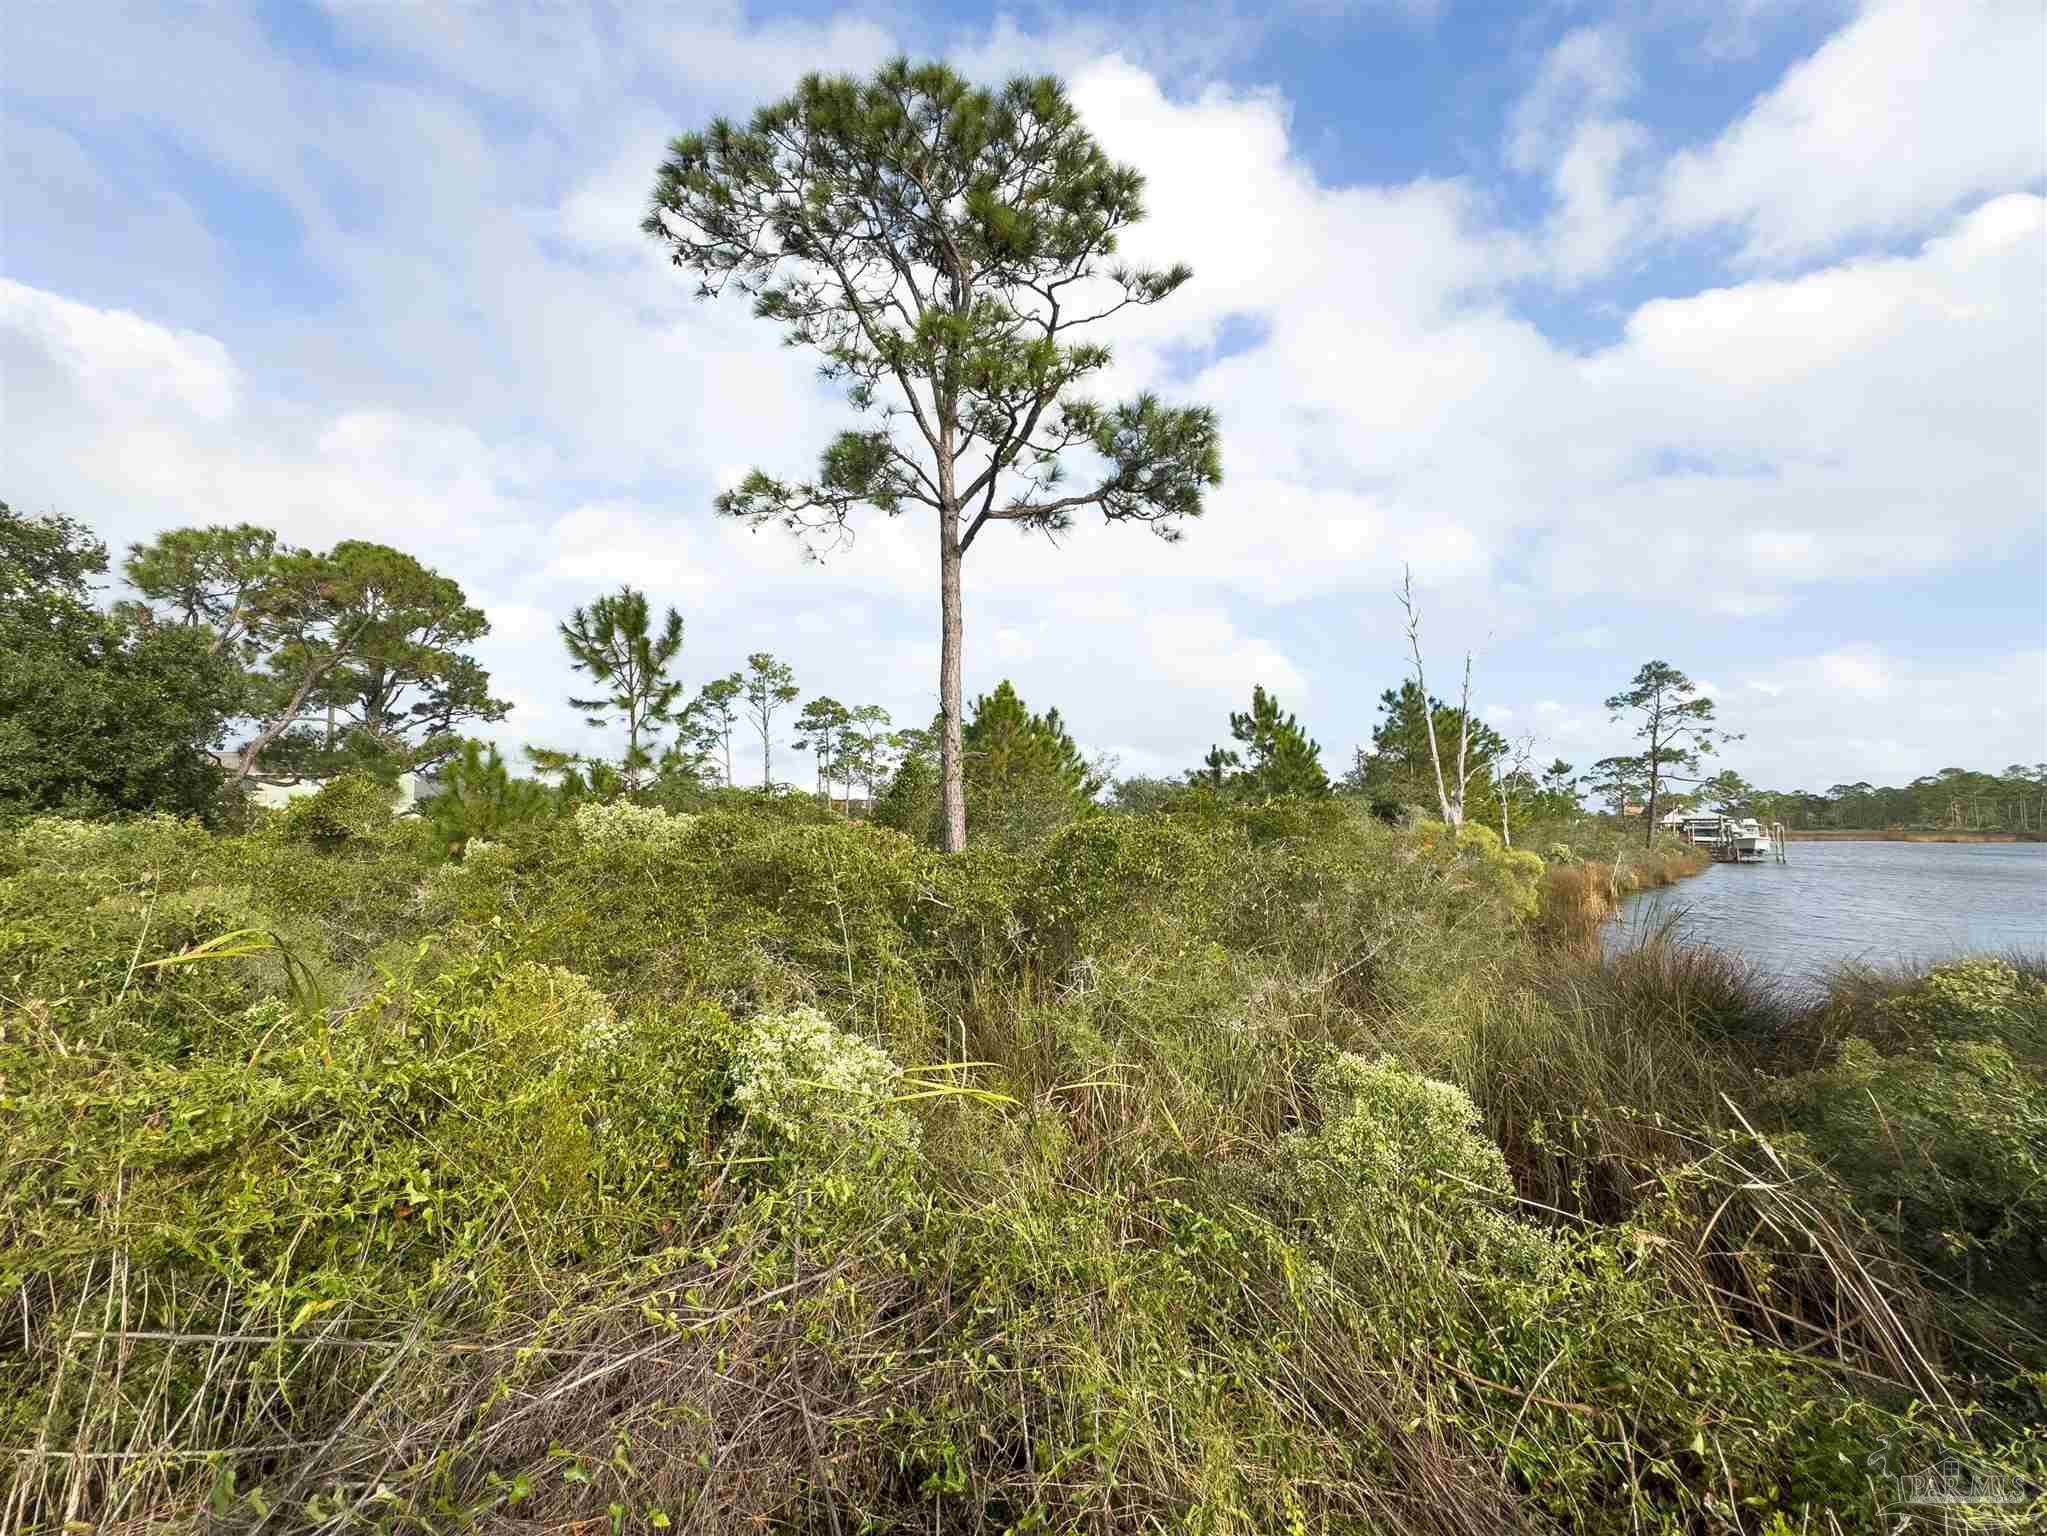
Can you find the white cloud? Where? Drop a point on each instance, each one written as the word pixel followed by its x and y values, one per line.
pixel 151 426
pixel 1565 128
pixel 1912 110
pixel 1854 672
pixel 1204 653
pixel 118 361
pixel 500 373
pixel 602 545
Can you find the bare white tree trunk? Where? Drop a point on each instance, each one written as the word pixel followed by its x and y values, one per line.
pixel 1453 810
pixel 1463 742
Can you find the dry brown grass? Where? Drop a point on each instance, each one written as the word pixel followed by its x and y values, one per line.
pixel 1576 898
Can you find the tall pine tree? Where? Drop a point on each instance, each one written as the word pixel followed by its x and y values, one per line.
pixel 614 641
pixel 1278 756
pixel 944 249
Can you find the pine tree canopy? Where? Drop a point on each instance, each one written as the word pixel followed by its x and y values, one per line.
pixel 1278 756
pixel 938 244
pixel 1010 750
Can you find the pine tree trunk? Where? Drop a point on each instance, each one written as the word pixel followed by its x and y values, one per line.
pixel 953 791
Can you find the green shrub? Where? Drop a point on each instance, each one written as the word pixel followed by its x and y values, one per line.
pixel 1394 1147
pixel 1944 1150
pixel 353 809
pixel 1981 999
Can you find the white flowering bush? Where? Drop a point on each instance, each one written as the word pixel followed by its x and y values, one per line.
pixel 1393 1144
pixel 58 840
pixel 552 1010
pixel 620 824
pixel 814 1093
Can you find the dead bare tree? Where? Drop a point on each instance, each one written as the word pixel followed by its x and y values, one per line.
pixel 1505 768
pixel 1451 802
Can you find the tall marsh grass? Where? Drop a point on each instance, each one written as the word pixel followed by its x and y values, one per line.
pixel 1577 896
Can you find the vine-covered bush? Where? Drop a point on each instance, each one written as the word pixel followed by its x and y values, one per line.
pixel 813 1094
pixel 352 808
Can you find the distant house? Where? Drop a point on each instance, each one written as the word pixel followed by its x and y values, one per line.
pixel 1632 809
pixel 856 810
pixel 1672 821
pixel 276 792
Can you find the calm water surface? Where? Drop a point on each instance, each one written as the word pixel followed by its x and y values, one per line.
pixel 1881 903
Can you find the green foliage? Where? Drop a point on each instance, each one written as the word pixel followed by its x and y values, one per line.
pixel 362 635
pixel 910 803
pixel 1243 1169
pixel 1024 775
pixel 1510 875
pixel 1143 795
pixel 1955 799
pixel 348 811
pixel 479 798
pixel 708 723
pixel 823 722
pixel 988 197
pixel 100 714
pixel 1278 758
pixel 614 642
pixel 1398 770
pixel 1979 999
pixel 1939 1137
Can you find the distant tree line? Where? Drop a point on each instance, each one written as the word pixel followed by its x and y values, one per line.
pixel 1955 799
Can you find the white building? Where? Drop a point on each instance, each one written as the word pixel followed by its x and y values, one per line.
pixel 276 794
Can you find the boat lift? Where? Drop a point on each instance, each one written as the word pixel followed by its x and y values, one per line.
pixel 1730 841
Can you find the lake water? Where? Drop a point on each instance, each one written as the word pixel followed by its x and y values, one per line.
pixel 1880 903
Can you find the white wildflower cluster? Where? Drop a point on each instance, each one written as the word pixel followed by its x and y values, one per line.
pixel 621 824
pixel 819 1091
pixel 1389 1126
pixel 554 1006
pixel 1389 1137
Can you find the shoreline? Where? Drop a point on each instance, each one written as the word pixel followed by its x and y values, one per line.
pixel 1575 900
pixel 1852 835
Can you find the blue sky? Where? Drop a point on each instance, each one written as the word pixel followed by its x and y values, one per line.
pixel 1704 331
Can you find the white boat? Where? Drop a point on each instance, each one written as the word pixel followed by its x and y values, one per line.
pixel 1748 841
pixel 1729 840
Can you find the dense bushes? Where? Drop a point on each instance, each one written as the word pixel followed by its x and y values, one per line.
pixel 1243 1170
